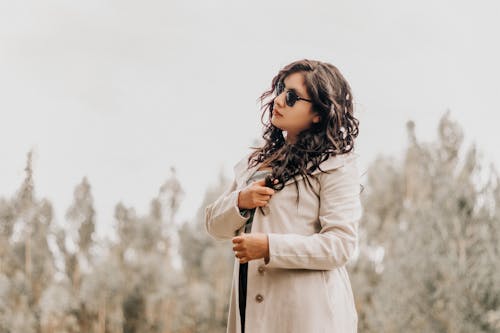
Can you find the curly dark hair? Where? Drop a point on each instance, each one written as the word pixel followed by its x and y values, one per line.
pixel 334 134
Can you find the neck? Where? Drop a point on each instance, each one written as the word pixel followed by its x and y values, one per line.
pixel 290 139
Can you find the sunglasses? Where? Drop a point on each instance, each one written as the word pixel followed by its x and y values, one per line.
pixel 291 96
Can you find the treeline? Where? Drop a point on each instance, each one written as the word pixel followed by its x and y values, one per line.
pixel 62 279
pixel 428 261
pixel 430 240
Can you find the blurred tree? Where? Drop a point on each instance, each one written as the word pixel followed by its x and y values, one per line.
pixel 437 227
pixel 27 264
pixel 208 265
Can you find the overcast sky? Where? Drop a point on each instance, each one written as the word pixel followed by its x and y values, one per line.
pixel 119 91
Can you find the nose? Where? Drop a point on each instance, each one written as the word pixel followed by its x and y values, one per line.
pixel 278 100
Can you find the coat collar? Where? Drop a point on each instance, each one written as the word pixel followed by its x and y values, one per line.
pixel 242 173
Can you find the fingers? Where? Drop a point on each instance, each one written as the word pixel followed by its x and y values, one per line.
pixel 264 190
pixel 238 248
pixel 260 187
pixel 242 257
pixel 244 260
pixel 240 253
pixel 262 200
pixel 261 203
pixel 262 181
pixel 262 195
pixel 240 238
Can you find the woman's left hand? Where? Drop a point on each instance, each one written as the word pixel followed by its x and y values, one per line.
pixel 251 246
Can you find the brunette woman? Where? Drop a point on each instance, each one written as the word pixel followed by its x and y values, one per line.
pixel 293 208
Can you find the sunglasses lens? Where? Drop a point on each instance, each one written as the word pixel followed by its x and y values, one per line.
pixel 291 98
pixel 279 88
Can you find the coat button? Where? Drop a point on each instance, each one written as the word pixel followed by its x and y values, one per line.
pixel 261 269
pixel 259 298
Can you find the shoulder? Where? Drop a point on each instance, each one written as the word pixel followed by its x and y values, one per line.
pixel 341 172
pixel 341 178
pixel 339 161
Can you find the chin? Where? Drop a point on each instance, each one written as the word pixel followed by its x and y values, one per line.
pixel 276 124
pixel 279 127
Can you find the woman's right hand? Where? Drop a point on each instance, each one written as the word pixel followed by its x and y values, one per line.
pixel 255 194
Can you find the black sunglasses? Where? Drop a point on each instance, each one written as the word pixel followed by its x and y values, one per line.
pixel 291 96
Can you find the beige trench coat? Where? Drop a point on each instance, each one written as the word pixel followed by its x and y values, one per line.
pixel 304 288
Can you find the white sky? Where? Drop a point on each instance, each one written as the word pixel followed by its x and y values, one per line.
pixel 119 91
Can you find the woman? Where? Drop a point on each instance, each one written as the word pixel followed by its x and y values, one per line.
pixel 291 250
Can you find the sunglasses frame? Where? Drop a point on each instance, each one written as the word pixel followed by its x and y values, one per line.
pixel 291 96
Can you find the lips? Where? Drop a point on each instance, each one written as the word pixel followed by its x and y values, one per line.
pixel 277 113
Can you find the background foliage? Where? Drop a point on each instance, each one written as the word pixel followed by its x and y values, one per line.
pixel 428 259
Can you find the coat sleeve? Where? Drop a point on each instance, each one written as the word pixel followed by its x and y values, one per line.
pixel 339 214
pixel 223 217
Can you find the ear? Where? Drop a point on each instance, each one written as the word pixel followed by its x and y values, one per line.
pixel 316 119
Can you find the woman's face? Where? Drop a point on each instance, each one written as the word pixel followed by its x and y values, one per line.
pixel 293 119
